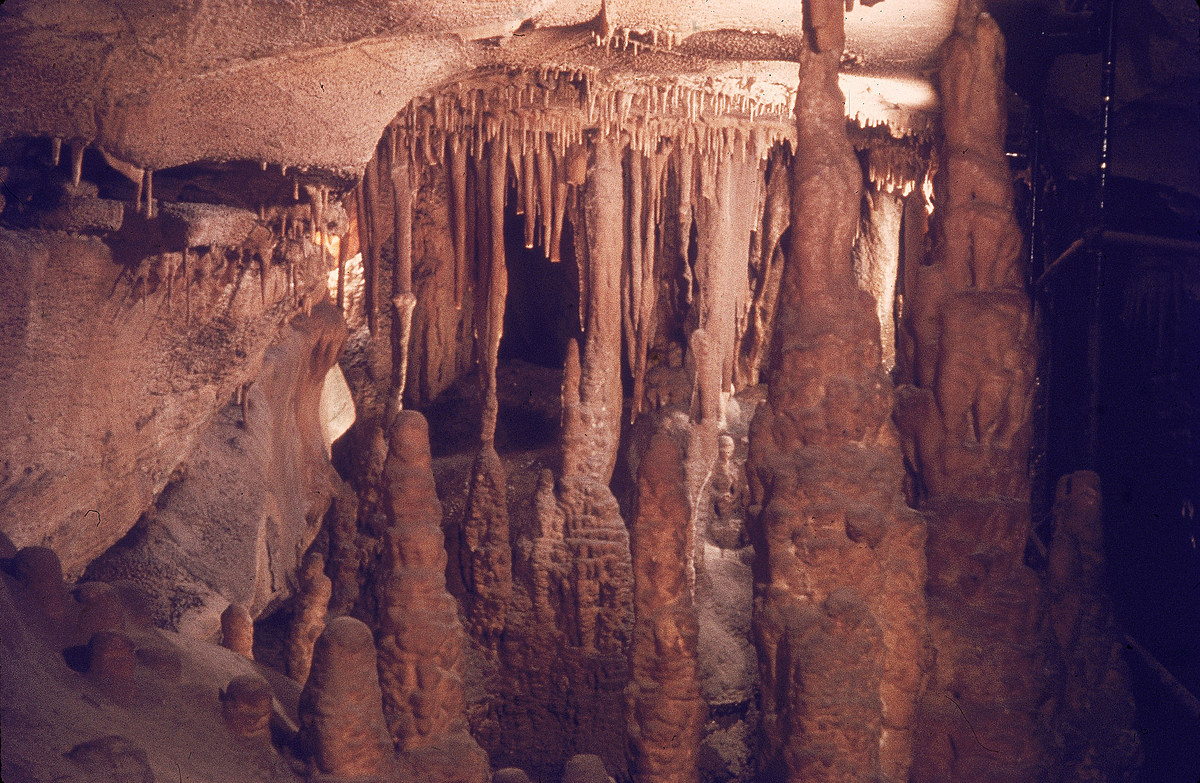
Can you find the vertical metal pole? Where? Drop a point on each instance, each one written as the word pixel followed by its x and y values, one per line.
pixel 1107 89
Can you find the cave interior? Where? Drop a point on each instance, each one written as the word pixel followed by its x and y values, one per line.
pixel 600 391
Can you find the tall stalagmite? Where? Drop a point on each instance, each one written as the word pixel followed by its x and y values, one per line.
pixel 418 633
pixel 966 417
pixel 1095 711
pixel 839 614
pixel 663 706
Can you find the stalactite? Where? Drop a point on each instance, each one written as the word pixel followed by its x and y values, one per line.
pixel 559 205
pixel 877 259
pixel 403 299
pixel 458 187
pixel 839 618
pixel 528 191
pixel 631 277
pixel 77 149
pixel 966 416
pixel 545 192
pixel 600 385
pixel 776 219
pixel 497 285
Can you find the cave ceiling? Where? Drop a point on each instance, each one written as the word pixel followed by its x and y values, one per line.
pixel 161 84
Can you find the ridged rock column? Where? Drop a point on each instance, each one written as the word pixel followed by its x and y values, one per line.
pixel 663 707
pixel 839 615
pixel 966 416
pixel 417 630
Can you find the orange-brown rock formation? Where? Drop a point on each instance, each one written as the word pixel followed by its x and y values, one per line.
pixel 341 707
pixel 1095 711
pixel 839 609
pixel 663 706
pixel 966 416
pixel 418 632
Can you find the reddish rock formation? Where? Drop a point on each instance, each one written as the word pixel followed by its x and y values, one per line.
pixel 237 630
pixel 966 419
pixel 1095 711
pixel 839 609
pixel 485 553
pixel 308 616
pixel 341 707
pixel 417 629
pixel 663 707
pixel 246 706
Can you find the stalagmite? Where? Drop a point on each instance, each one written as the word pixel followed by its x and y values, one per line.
pixel 55 151
pixel 966 417
pixel 484 549
pixel 308 616
pixel 663 706
pixel 341 711
pixel 246 705
pixel 417 628
pixel 1095 712
pixel 237 630
pixel 839 618
pixel 496 286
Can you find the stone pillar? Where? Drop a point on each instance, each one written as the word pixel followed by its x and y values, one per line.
pixel 839 619
pixel 663 707
pixel 966 417
pixel 417 630
pixel 341 708
pixel 1095 710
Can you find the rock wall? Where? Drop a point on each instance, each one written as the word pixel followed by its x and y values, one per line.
pixel 117 352
pixel 250 499
pixel 839 617
pixel 966 417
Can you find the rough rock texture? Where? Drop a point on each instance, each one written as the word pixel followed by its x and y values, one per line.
pixel 664 710
pixel 133 704
pixel 966 416
pixel 175 79
pixel 308 616
pixel 417 628
pixel 251 498
pixel 1095 711
pixel 485 552
pixel 107 387
pixel 839 600
pixel 341 707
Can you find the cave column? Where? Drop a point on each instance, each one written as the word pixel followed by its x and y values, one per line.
pixel 839 618
pixel 966 418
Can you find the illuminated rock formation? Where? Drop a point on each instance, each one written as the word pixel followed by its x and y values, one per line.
pixel 966 417
pixel 484 549
pixel 663 706
pixel 839 608
pixel 237 630
pixel 308 616
pixel 418 633
pixel 341 707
